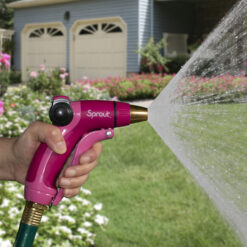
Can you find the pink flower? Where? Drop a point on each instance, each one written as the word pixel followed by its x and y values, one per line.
pixel 115 98
pixel 86 88
pixel 84 78
pixel 63 70
pixel 1 107
pixel 13 105
pixel 5 59
pixel 33 74
pixel 62 76
pixel 42 67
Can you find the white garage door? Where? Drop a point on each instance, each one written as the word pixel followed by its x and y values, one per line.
pixel 43 45
pixel 98 49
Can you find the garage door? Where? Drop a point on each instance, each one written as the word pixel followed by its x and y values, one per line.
pixel 43 44
pixel 98 49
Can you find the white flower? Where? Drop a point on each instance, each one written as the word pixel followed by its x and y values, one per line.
pixel 98 206
pixel 19 195
pixel 12 188
pixel 65 229
pixel 87 215
pixel 13 212
pixel 62 207
pixel 86 192
pixel 91 241
pixel 45 218
pixel 76 237
pixel 2 232
pixel 101 220
pixel 82 231
pixel 67 217
pixel 87 224
pixel 65 199
pixel 85 202
pixel 72 208
pixel 5 243
pixel 5 203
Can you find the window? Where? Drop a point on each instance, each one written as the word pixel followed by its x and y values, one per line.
pixel 50 31
pixel 105 27
pixel 37 33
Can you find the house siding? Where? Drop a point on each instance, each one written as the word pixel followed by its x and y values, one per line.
pixel 145 23
pixel 173 17
pixel 84 9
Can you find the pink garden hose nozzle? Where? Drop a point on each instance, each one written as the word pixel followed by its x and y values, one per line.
pixel 82 124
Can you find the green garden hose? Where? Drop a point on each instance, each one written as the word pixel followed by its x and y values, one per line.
pixel 29 224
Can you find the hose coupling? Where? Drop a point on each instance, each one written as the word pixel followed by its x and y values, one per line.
pixel 33 213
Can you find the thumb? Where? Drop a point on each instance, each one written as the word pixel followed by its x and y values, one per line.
pixel 49 134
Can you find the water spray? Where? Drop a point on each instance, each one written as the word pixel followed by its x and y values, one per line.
pixel 82 124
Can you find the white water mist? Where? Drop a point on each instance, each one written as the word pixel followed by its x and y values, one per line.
pixel 202 116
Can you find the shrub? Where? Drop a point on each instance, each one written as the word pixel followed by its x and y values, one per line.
pixel 72 223
pixel 152 61
pixel 144 86
pixel 46 82
pixel 4 72
pixel 78 92
pixel 217 89
pixel 176 63
pixel 4 81
pixel 21 106
pixel 14 77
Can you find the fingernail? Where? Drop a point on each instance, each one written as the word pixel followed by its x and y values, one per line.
pixel 61 147
pixel 65 182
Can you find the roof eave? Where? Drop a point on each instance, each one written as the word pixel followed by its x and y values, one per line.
pixel 36 3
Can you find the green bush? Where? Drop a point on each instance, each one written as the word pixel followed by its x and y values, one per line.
pixel 152 61
pixel 15 77
pixel 72 223
pixel 23 106
pixel 4 81
pixel 176 63
pixel 133 87
pixel 44 82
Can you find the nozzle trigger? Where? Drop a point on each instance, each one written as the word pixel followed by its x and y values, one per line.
pixel 82 146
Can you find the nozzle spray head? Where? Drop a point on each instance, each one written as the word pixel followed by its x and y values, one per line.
pixel 138 114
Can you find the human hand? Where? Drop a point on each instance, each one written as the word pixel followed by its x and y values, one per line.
pixel 25 146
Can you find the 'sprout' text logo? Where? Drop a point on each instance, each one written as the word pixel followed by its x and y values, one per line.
pixel 93 114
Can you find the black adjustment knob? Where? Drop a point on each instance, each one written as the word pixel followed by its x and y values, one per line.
pixel 61 114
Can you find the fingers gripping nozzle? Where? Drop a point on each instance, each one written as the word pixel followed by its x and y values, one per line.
pixel 61 112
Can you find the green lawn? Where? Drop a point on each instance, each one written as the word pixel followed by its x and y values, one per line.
pixel 150 198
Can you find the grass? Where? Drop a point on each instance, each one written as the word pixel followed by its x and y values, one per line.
pixel 150 198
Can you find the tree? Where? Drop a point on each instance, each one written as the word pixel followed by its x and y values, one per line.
pixel 6 14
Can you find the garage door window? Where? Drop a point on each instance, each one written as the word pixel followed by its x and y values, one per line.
pixel 105 27
pixel 52 32
pixel 111 28
pixel 37 33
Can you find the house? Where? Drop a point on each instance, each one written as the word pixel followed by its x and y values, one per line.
pixel 98 38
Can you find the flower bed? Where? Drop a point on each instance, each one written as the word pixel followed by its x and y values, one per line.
pixel 21 106
pixel 144 86
pixel 72 223
pixel 218 89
